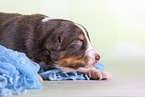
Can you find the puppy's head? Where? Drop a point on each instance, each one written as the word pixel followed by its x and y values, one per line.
pixel 67 45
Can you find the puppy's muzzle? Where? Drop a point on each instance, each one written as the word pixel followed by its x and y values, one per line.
pixel 92 56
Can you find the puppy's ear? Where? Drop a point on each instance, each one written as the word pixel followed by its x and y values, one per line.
pixel 52 43
pixel 52 38
pixel 53 46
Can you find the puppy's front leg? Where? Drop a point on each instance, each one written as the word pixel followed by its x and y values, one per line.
pixel 98 75
pixel 40 78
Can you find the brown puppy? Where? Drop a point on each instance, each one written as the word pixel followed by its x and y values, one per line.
pixel 58 42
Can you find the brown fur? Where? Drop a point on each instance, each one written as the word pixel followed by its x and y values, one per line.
pixel 41 41
pixel 55 42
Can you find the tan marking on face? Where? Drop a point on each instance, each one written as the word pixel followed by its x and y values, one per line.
pixel 62 55
pixel 81 37
pixel 72 62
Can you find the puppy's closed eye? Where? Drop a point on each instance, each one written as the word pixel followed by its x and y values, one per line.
pixel 78 44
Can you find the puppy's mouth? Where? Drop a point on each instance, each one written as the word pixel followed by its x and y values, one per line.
pixel 75 63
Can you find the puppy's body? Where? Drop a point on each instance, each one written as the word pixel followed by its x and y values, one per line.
pixel 57 42
pixel 17 33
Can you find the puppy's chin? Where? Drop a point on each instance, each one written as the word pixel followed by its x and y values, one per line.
pixel 67 69
pixel 80 69
pixel 73 65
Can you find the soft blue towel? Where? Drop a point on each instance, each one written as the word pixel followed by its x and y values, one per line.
pixel 57 74
pixel 17 73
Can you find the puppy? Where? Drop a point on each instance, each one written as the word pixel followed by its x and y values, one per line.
pixel 57 42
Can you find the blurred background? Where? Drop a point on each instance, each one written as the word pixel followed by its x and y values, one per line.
pixel 116 27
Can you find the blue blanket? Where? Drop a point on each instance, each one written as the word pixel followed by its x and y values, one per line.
pixel 17 73
pixel 57 74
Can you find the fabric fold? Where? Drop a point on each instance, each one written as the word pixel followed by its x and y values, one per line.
pixel 17 73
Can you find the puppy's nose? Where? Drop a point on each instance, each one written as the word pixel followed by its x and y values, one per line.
pixel 97 57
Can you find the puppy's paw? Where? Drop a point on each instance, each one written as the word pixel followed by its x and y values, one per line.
pixel 98 75
pixel 40 78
